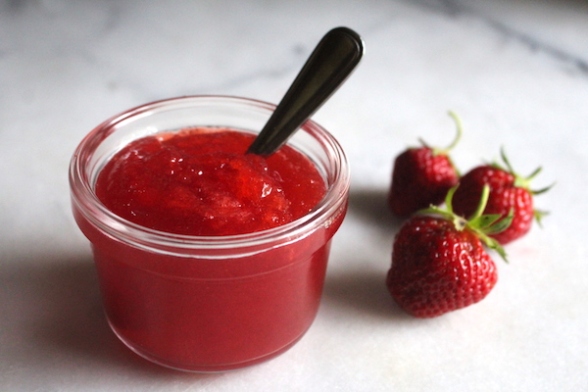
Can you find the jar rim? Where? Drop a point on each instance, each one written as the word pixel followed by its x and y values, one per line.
pixel 86 201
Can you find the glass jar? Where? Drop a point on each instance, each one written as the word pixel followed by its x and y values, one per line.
pixel 199 303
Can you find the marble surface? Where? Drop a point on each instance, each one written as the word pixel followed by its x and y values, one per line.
pixel 516 71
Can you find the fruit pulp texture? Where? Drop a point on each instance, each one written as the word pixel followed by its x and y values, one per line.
pixel 210 314
pixel 201 182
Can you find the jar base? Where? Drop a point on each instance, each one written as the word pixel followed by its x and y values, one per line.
pixel 201 368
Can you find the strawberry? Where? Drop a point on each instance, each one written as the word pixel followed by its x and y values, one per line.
pixel 440 262
pixel 508 192
pixel 422 176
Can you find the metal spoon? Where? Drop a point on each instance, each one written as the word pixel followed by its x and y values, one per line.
pixel 333 59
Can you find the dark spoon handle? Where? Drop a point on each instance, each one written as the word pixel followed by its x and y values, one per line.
pixel 333 59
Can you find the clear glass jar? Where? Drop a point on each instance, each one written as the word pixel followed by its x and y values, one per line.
pixel 207 303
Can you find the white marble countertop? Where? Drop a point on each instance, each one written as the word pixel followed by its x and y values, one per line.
pixel 515 71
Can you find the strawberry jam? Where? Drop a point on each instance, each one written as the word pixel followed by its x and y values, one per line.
pixel 208 258
pixel 200 182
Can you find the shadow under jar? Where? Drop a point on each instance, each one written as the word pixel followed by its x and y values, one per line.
pixel 207 303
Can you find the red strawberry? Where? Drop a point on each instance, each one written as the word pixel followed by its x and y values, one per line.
pixel 421 177
pixel 440 264
pixel 509 193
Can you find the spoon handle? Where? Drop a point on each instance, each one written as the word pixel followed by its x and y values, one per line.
pixel 333 59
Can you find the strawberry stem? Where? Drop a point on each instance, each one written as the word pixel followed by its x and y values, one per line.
pixel 482 203
pixel 456 139
pixel 480 224
pixel 459 130
pixel 522 182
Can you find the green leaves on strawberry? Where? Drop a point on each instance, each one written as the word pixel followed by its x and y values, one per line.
pixel 422 176
pixel 439 258
pixel 440 262
pixel 510 193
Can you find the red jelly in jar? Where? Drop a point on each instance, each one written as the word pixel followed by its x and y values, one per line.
pixel 208 258
pixel 200 181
